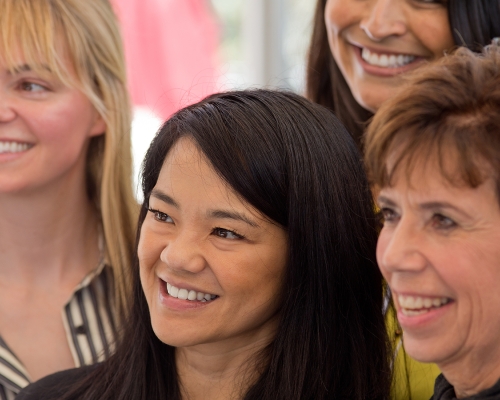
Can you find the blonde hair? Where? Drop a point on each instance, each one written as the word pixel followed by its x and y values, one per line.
pixel 45 34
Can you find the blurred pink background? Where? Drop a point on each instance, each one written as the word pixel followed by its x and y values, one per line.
pixel 171 49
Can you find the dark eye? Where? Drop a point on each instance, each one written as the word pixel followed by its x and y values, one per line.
pixel 440 221
pixel 226 234
pixel 32 87
pixel 388 215
pixel 442 2
pixel 160 216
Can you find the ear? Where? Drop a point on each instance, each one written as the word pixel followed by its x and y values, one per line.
pixel 99 126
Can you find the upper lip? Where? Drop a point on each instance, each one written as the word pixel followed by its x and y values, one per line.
pixel 383 50
pixel 395 294
pixel 15 141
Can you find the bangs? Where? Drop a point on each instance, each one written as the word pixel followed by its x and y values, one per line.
pixel 450 151
pixel 31 39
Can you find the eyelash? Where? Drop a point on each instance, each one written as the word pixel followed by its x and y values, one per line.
pixel 219 232
pixel 160 216
pixel 441 2
pixel 438 221
pixel 387 215
pixel 443 222
pixel 24 84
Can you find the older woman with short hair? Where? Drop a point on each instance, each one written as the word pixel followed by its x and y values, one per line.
pixel 433 153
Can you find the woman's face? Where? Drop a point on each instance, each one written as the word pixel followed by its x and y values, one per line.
pixel 211 266
pixel 374 41
pixel 439 251
pixel 44 129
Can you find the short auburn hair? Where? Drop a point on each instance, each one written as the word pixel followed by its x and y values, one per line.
pixel 452 105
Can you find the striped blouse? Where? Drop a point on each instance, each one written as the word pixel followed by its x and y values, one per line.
pixel 90 326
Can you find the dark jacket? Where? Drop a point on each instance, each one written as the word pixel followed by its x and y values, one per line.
pixel 54 386
pixel 444 391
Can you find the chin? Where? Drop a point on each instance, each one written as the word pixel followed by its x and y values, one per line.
pixel 372 98
pixel 177 337
pixel 426 352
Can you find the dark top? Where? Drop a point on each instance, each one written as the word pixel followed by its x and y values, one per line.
pixel 444 391
pixel 54 386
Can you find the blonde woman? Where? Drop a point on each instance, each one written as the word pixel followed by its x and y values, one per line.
pixel 67 209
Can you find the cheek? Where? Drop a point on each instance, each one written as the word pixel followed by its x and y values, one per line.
pixel 435 34
pixel 148 252
pixel 257 277
pixel 337 15
pixel 382 243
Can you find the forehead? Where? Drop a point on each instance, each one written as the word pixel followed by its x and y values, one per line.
pixel 187 172
pixel 41 55
pixel 434 179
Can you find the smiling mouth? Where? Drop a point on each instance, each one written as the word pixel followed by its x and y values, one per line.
pixel 13 147
pixel 386 60
pixel 414 305
pixel 191 295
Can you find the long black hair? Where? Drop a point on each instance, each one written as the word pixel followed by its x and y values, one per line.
pixel 294 162
pixel 473 24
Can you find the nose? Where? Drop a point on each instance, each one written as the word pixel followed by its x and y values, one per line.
pixel 401 249
pixel 183 253
pixel 7 113
pixel 384 18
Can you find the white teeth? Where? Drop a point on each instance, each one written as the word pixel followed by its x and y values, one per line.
pixel 173 291
pixel 385 60
pixel 191 295
pixel 13 147
pixel 413 305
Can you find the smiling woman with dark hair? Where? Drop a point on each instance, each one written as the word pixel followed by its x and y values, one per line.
pixel 256 275
pixel 360 49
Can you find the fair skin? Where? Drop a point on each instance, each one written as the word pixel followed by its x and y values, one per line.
pixel 438 251
pixel 374 42
pixel 203 239
pixel 48 228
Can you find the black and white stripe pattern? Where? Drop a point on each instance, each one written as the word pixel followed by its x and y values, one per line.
pixel 90 324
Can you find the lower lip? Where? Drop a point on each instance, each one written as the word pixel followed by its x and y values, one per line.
pixel 385 71
pixel 173 303
pixel 422 320
pixel 4 157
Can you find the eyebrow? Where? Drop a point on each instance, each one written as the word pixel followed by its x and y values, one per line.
pixel 164 197
pixel 214 214
pixel 385 200
pixel 225 214
pixel 27 68
pixel 22 68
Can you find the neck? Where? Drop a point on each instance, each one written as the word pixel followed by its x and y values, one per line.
pixel 220 370
pixel 478 372
pixel 47 235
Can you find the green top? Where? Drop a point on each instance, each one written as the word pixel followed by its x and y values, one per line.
pixel 412 380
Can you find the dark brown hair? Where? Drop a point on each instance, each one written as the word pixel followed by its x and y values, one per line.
pixel 451 108
pixel 473 23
